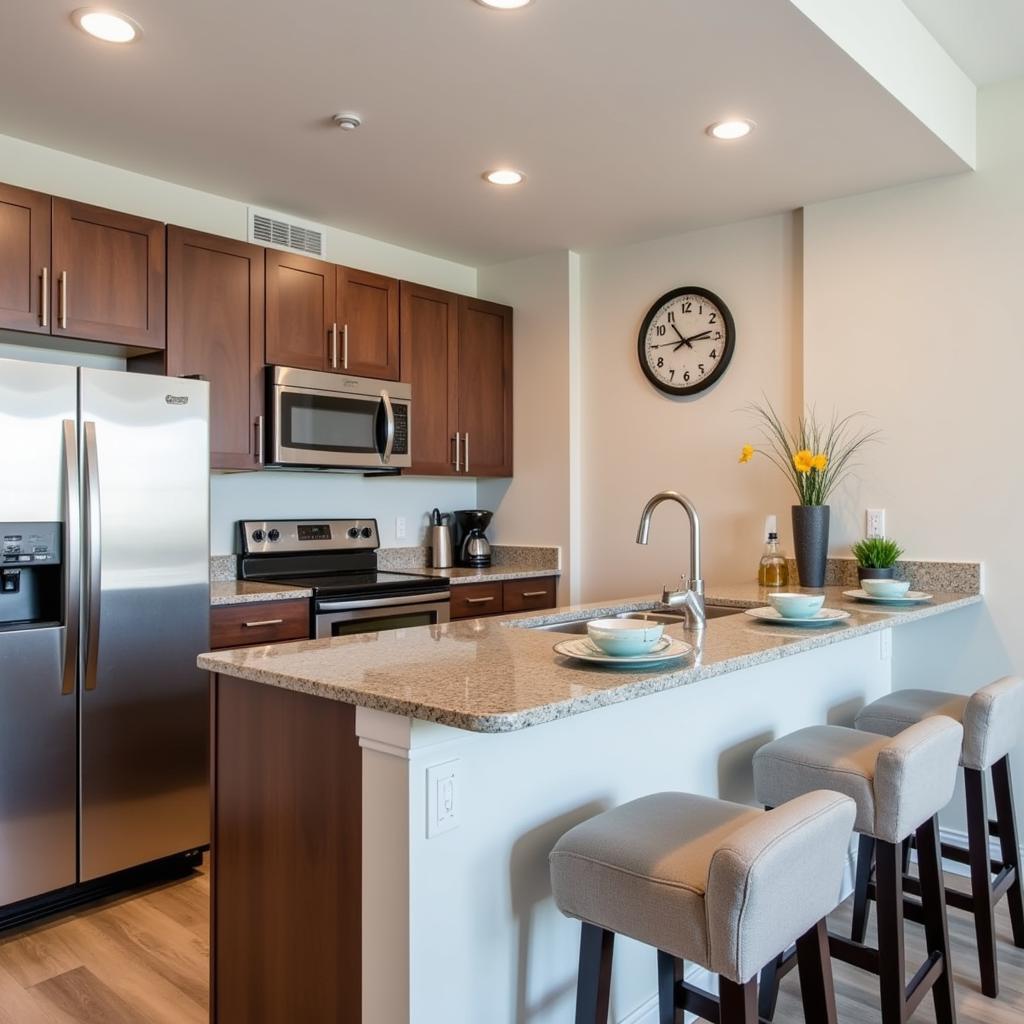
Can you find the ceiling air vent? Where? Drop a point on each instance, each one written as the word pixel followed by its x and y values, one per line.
pixel 283 232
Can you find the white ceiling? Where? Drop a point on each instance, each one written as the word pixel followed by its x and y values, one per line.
pixel 603 103
pixel 985 37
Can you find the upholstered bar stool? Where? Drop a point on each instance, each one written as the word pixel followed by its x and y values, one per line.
pixel 899 786
pixel 725 886
pixel 993 721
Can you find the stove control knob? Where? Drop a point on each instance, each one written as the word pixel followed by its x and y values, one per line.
pixel 367 532
pixel 354 533
pixel 274 535
pixel 259 536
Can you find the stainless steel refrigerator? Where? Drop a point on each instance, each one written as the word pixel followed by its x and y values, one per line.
pixel 104 605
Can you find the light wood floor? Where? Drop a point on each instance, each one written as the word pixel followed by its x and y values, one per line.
pixel 142 959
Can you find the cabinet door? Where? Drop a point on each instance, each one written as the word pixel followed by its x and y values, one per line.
pixel 368 318
pixel 484 394
pixel 301 330
pixel 24 259
pixel 429 353
pixel 108 276
pixel 215 330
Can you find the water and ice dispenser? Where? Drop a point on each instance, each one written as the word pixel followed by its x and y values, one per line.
pixel 30 575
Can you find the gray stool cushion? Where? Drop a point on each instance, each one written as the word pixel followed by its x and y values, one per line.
pixel 993 717
pixel 897 783
pixel 726 886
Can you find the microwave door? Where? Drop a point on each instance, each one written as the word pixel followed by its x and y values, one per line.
pixel 324 428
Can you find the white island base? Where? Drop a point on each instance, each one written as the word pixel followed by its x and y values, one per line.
pixel 459 927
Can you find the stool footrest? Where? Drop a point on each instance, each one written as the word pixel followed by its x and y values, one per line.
pixel 921 984
pixel 856 954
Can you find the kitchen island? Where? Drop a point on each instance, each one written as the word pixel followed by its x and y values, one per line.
pixel 426 773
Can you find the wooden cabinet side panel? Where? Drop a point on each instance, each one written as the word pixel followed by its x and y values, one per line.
pixel 287 861
pixel 215 330
pixel 24 253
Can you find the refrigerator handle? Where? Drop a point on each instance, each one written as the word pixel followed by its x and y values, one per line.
pixel 72 556
pixel 94 554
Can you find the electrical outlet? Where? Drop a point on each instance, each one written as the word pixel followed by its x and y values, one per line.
pixel 400 528
pixel 442 798
pixel 875 523
pixel 885 644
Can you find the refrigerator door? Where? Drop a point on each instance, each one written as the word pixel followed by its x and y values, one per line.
pixel 146 608
pixel 38 713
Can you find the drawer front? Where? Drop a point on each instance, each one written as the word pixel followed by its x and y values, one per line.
pixel 261 622
pixel 471 600
pixel 528 595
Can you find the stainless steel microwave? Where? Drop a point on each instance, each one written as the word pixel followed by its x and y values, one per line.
pixel 334 421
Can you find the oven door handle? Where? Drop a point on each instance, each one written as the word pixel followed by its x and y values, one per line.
pixel 389 412
pixel 384 602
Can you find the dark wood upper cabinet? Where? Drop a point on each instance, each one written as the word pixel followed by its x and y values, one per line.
pixel 430 354
pixel 215 330
pixel 107 279
pixel 368 317
pixel 484 391
pixel 301 301
pixel 24 259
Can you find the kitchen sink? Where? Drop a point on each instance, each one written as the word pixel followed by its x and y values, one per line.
pixel 579 626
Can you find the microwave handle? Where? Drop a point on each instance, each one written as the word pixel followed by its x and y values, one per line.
pixel 389 412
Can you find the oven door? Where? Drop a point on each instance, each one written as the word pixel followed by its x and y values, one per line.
pixel 342 618
pixel 351 426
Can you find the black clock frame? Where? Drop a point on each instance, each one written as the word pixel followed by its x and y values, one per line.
pixel 727 349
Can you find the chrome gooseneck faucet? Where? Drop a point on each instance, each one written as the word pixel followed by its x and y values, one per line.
pixel 692 597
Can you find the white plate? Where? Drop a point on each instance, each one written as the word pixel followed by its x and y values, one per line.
pixel 667 649
pixel 910 597
pixel 825 617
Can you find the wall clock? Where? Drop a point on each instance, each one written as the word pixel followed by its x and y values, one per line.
pixel 686 341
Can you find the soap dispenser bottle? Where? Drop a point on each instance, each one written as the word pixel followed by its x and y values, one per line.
pixel 774 569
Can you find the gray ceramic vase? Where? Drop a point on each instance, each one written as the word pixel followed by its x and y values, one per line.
pixel 810 543
pixel 867 573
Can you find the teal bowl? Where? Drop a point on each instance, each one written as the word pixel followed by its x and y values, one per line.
pixel 623 638
pixel 797 606
pixel 885 588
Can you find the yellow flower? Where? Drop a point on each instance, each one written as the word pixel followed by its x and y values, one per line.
pixel 819 462
pixel 803 460
pixel 747 454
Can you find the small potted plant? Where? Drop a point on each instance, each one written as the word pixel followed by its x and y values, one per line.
pixel 876 558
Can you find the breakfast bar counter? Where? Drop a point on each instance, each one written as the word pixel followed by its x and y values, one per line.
pixel 428 772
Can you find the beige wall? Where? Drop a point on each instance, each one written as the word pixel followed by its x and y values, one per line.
pixel 637 441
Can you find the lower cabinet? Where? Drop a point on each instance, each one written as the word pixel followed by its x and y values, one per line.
pixel 259 622
pixel 473 600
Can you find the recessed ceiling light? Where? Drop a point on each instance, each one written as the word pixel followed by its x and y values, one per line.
pixel 110 26
pixel 504 5
pixel 734 128
pixel 504 176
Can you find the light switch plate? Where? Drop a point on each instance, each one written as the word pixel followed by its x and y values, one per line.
pixel 399 527
pixel 442 798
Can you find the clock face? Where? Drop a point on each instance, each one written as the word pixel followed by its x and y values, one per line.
pixel 686 341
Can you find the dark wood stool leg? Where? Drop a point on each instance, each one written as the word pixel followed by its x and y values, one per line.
pixel 738 1002
pixel 981 880
pixel 861 906
pixel 1007 818
pixel 889 907
pixel 816 986
pixel 933 904
pixel 670 973
pixel 769 991
pixel 595 978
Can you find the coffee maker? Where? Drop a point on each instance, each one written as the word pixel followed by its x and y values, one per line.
pixel 471 546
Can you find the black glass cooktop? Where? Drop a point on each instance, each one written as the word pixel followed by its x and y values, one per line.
pixel 361 584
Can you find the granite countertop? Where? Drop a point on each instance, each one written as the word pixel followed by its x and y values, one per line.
pixel 242 592
pixel 485 675
pixel 493 574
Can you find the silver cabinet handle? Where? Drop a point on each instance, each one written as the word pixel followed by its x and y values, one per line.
pixel 478 600
pixel 264 622
pixel 334 346
pixel 259 439
pixel 64 300
pixel 458 453
pixel 344 346
pixel 44 299
pixel 467 452
pixel 94 554
pixel 72 543
pixel 389 443
pixel 534 593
